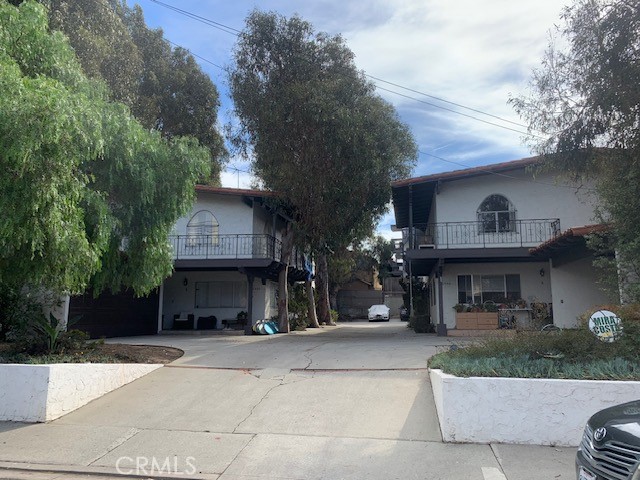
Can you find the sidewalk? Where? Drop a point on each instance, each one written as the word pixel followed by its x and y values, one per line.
pixel 352 402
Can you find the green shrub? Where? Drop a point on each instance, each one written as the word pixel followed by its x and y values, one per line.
pixel 74 341
pixel 334 316
pixel 19 310
pixel 298 308
pixel 575 353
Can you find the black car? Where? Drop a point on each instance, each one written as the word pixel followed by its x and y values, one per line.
pixel 610 447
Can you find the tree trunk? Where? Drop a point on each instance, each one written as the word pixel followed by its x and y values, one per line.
pixel 313 318
pixel 322 283
pixel 283 280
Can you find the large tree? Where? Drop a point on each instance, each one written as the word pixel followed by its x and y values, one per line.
pixel 584 107
pixel 87 191
pixel 317 131
pixel 164 87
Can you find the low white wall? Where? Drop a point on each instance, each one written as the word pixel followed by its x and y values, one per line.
pixel 522 410
pixel 39 393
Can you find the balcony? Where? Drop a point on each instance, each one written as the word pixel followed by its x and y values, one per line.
pixel 230 248
pixel 509 233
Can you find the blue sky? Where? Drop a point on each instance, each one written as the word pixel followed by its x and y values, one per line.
pixel 472 52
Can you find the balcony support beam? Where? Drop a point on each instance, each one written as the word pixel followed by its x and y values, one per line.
pixel 411 247
pixel 442 327
pixel 248 328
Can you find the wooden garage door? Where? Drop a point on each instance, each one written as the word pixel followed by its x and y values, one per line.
pixel 115 315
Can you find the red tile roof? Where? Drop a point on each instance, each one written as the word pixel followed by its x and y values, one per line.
pixel 235 191
pixel 470 172
pixel 568 236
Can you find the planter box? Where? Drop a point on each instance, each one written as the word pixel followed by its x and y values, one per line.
pixel 476 320
pixel 39 393
pixel 522 410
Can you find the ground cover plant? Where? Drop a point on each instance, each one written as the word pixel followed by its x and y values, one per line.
pixel 572 353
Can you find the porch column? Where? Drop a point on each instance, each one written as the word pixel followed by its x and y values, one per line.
pixel 410 248
pixel 442 327
pixel 160 305
pixel 248 328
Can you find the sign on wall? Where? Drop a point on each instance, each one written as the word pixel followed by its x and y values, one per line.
pixel 605 325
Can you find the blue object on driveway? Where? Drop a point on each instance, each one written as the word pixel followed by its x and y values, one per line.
pixel 266 327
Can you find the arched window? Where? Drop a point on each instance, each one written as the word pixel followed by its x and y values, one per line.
pixel 202 228
pixel 496 214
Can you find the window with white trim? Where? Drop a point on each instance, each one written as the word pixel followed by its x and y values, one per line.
pixel 496 214
pixel 483 288
pixel 221 295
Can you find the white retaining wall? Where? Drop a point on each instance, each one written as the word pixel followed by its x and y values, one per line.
pixel 39 393
pixel 522 410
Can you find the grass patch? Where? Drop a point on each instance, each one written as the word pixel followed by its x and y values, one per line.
pixel 568 354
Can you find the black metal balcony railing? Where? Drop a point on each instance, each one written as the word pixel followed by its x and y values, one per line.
pixel 238 246
pixel 225 246
pixel 522 233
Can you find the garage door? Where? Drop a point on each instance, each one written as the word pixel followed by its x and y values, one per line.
pixel 115 315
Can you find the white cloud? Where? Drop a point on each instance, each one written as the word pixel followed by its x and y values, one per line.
pixel 233 179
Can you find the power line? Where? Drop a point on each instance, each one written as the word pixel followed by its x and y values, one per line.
pixel 194 54
pixel 446 101
pixel 206 21
pixel 237 33
pixel 454 111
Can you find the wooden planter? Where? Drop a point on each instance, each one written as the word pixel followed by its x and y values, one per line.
pixel 476 320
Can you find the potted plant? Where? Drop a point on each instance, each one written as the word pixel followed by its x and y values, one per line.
pixel 476 316
pixel 242 318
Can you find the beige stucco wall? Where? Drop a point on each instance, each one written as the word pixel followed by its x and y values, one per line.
pixel 458 201
pixel 532 286
pixel 575 289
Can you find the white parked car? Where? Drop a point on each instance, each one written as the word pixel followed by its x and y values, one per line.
pixel 379 312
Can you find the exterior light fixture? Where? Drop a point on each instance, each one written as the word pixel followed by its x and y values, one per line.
pixel 542 272
pixel 185 282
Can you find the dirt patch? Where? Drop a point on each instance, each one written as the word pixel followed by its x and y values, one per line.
pixel 96 352
pixel 140 353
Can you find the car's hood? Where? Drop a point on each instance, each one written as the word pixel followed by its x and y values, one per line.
pixel 622 422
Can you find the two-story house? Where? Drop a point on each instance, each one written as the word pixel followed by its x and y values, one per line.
pixel 499 236
pixel 227 257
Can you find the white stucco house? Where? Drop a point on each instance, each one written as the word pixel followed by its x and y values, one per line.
pixel 227 257
pixel 498 234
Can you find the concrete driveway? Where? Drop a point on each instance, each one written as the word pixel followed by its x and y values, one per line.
pixel 347 402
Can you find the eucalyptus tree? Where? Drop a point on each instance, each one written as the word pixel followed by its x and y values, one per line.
pixel 317 132
pixel 87 192
pixel 164 87
pixel 584 107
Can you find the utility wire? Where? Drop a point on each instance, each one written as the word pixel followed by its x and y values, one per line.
pixel 237 33
pixel 219 26
pixel 194 54
pixel 455 111
pixel 446 101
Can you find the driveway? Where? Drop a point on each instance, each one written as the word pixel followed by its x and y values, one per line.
pixel 347 402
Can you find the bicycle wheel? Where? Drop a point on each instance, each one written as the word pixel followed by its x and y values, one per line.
pixel 550 327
